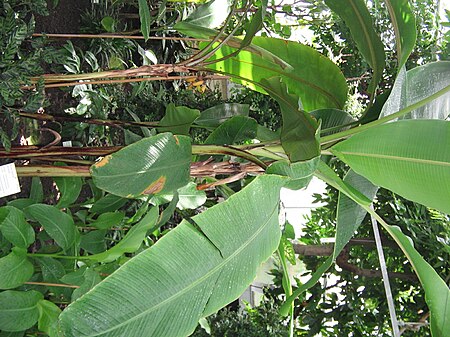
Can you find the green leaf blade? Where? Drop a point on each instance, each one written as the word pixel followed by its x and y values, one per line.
pixel 143 167
pixel 437 292
pixel 178 119
pixel 300 173
pixel 16 269
pixel 48 316
pixel 299 136
pixel 233 131
pixel 70 188
pixel 132 240
pixel 311 76
pixel 145 17
pixel 57 224
pixel 349 214
pixel 210 14
pixel 358 20
pixel 404 24
pixel 185 284
pixel 417 84
pixel 409 157
pixel 218 114
pixel 18 309
pixel 15 228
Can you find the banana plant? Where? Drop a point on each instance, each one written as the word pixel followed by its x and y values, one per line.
pixel 209 259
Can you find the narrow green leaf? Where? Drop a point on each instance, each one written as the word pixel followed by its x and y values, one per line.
pixel 158 164
pixel 437 292
pixel 108 203
pixel 404 23
pixel 145 17
pixel 315 277
pixel 255 25
pixel 37 192
pixel 90 279
pixel 52 272
pixel 57 224
pixel 15 228
pixel 233 131
pixel 18 309
pixel 166 214
pixel 350 214
pixel 70 188
pixel 48 317
pixel 188 274
pixel 211 14
pixel 15 270
pixel 145 130
pixel 299 130
pixel 108 220
pixel 409 157
pixel 218 114
pixel 357 18
pixel 417 84
pixel 178 119
pixel 21 203
pixel 325 173
pixel 93 242
pixel 132 240
pixel 12 334
pixel 199 32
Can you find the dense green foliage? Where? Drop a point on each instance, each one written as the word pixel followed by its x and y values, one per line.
pixel 168 201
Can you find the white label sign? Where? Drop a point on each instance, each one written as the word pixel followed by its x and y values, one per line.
pixel 9 183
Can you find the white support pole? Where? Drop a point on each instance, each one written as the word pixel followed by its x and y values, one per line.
pixel 384 273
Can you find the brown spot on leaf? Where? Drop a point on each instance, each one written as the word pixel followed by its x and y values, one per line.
pixel 177 141
pixel 155 186
pixel 103 162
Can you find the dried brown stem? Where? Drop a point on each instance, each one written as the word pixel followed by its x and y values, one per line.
pixel 117 36
pixel 197 170
pixel 53 284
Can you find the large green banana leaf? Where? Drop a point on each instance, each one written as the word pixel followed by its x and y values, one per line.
pixel 410 87
pixel 409 157
pixel 417 84
pixel 190 273
pixel 309 75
